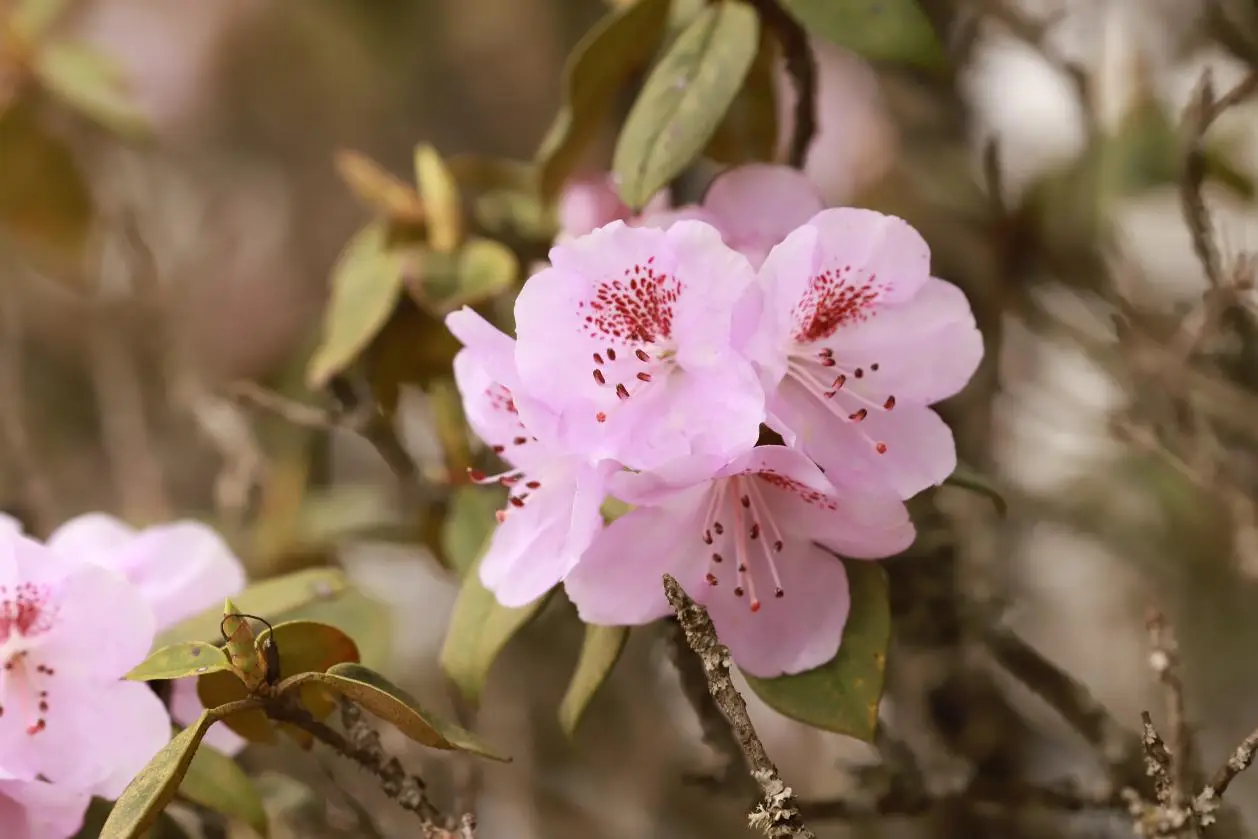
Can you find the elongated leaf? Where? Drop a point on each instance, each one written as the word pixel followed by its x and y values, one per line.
pixel 480 270
pixel 217 782
pixel 965 478
pixel 308 646
pixel 440 194
pixel 685 99
pixel 879 30
pixel 31 19
pixel 215 689
pixel 150 791
pixel 469 524
pixel 843 695
pixel 599 653
pixel 479 628
pixel 180 660
pixel 366 284
pixel 394 705
pixel 597 70
pixel 378 188
pixel 749 132
pixel 92 83
pixel 274 599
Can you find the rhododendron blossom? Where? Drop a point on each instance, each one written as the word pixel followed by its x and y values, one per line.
pixel 631 339
pixel 40 810
pixel 856 340
pixel 69 632
pixel 753 206
pixel 553 499
pixel 586 204
pixel 749 542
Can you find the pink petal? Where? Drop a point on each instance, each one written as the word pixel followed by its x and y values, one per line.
pixel 185 707
pixel 756 206
pixel 587 204
pixel 661 484
pixel 534 549
pixel 620 579
pixel 490 408
pixel 181 568
pixel 665 219
pixel 138 729
pixel 492 348
pixel 789 634
pixel 39 810
pixel 926 349
pixel 90 535
pixel 920 451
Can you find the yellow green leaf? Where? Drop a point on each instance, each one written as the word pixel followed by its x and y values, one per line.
pixel 366 284
pixel 246 656
pixel 309 646
pixel 360 616
pixel 684 99
pixel 842 695
pixel 479 271
pixel 31 19
pixel 217 783
pixel 90 82
pixel 440 195
pixel 179 660
pixel 600 651
pixel 376 694
pixel 150 791
pixel 479 628
pixel 878 30
pixel 749 132
pixel 469 524
pixel 218 689
pixel 378 188
pixel 601 66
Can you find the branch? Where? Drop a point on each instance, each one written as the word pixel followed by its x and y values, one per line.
pixel 778 816
pixel 1064 797
pixel 1165 663
pixel 716 731
pixel 801 65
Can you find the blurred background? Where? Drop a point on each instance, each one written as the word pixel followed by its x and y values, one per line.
pixel 1117 410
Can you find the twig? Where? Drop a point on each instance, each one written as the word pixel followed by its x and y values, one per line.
pixel 715 728
pixel 1118 747
pixel 801 65
pixel 1240 760
pixel 1165 660
pixel 362 745
pixel 778 816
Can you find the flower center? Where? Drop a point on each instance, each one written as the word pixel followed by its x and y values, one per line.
pixel 25 614
pixel 753 532
pixel 849 393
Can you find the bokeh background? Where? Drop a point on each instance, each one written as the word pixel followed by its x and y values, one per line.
pixel 1130 474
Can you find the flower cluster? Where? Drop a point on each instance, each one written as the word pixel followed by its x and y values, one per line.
pixel 76 614
pixel 649 354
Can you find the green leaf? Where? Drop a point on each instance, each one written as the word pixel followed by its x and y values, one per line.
pixel 394 705
pixel 480 270
pixel 217 782
pixel 440 195
pixel 274 599
pixel 965 478
pixel 150 791
pixel 600 651
pixel 360 616
pixel 378 188
pixel 878 30
pixel 366 284
pixel 178 661
pixel 308 646
pixel 749 132
pixel 31 19
pixel 479 628
pixel 92 83
pixel 220 688
pixel 469 524
pixel 685 99
pixel 602 64
pixel 843 694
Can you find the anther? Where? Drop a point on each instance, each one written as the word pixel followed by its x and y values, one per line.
pixel 738 591
pixel 622 391
pixel 500 516
pixel 598 359
pixel 516 501
pixel 520 441
pixel 642 356
pixel 755 605
pixel 598 377
pixel 601 417
pixel 859 415
pixel 475 475
pixel 534 484
pixel 839 382
pixel 859 373
pixel 779 593
pixel 745 501
pixel 717 558
pixel 718 527
pixel 611 354
pixel 711 578
pixel 644 377
pixel 874 367
pixel 707 537
pixel 889 404
pixel 499 449
pixel 827 361
pixel 880 447
pixel 755 530
pixel 777 546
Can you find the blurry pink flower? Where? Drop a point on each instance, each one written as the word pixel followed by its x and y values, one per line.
pixel 69 631
pixel 181 568
pixel 856 340
pixel 586 204
pixel 749 543
pixel 555 499
pixel 631 339
pixel 754 206
pixel 40 810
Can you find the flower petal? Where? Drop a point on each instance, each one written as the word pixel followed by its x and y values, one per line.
pixel 533 550
pixel 926 349
pixel 756 206
pixel 493 349
pixel 619 580
pixel 40 810
pixel 789 634
pixel 139 726
pixel 186 706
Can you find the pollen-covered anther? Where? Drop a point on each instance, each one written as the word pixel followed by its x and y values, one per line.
pixel 880 447
pixel 644 377
pixel 611 354
pixel 707 536
pixel 622 391
pixel 642 355
pixel 712 580
pixel 889 404
pixel 517 501
pixel 598 359
pixel 754 533
pixel 859 415
pixel 534 484
pixel 601 417
pixel 599 377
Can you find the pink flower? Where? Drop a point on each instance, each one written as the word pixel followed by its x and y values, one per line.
pixel 754 206
pixel 586 204
pixel 630 339
pixel 856 340
pixel 40 810
pixel 181 568
pixel 749 543
pixel 69 631
pixel 555 499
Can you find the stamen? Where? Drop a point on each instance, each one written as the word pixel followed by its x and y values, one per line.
pixel 601 417
pixel 598 376
pixel 516 501
pixel 859 415
pixel 880 447
pixel 505 478
pixel 762 511
pixel 611 354
pixel 622 391
pixel 645 377
pixel 598 359
pixel 534 484
pixel 642 356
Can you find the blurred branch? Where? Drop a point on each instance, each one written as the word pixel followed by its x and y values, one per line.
pixel 34 490
pixel 778 816
pixel 801 65
pixel 1065 797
